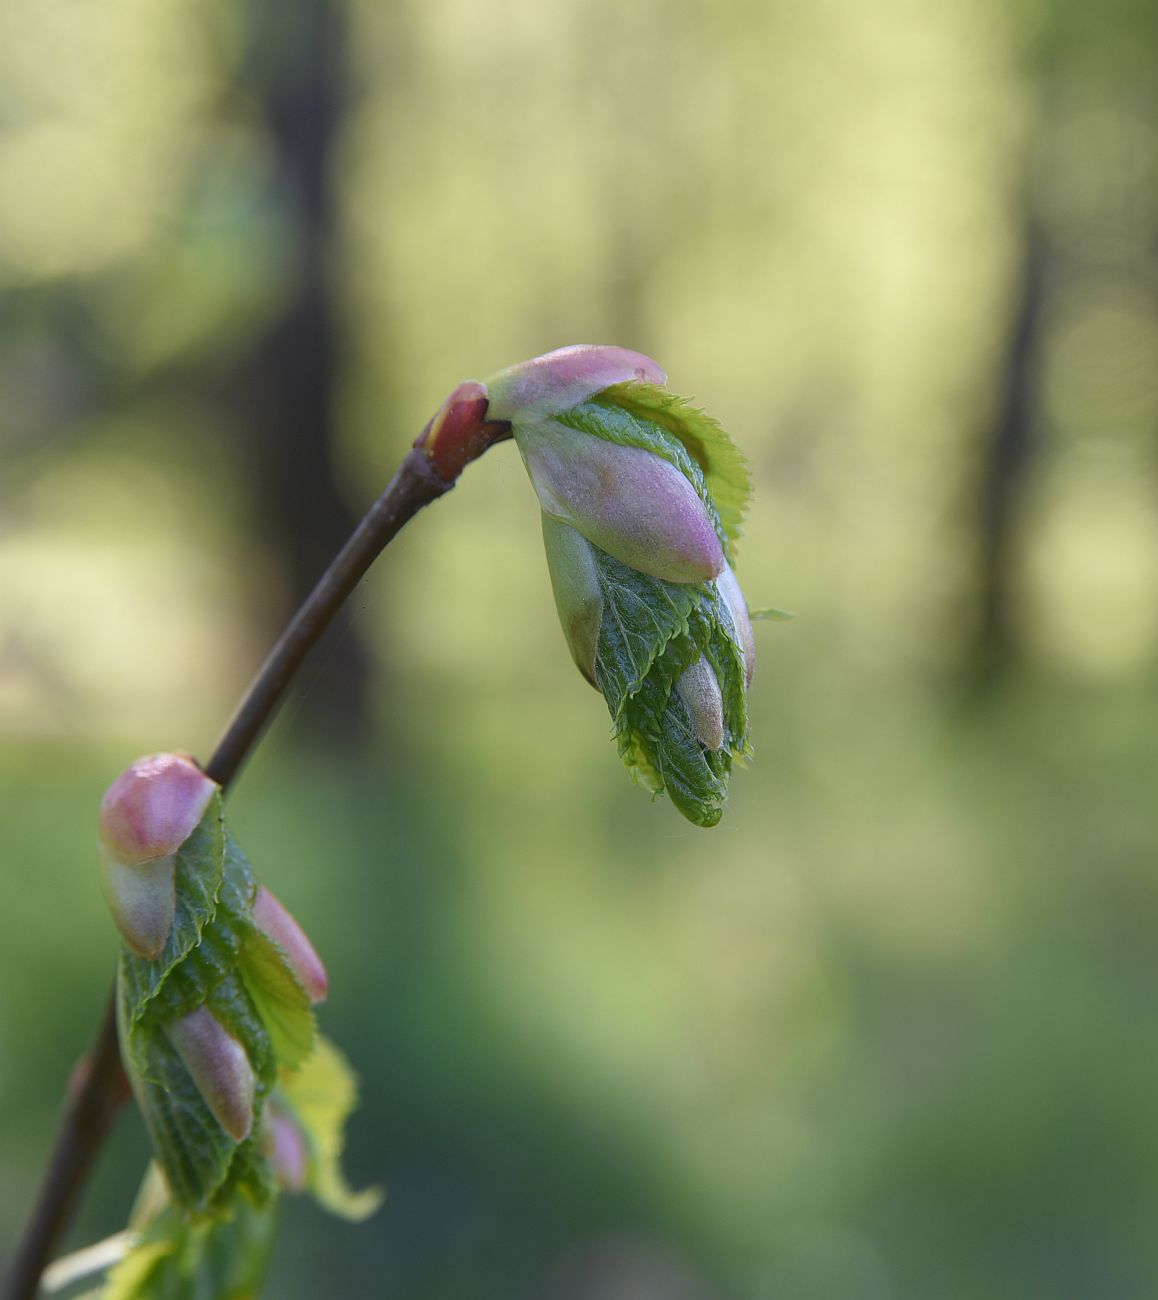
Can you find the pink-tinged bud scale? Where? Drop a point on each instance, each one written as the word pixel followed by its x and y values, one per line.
pixel 220 1068
pixel 153 807
pixel 562 379
pixel 276 922
pixel 149 811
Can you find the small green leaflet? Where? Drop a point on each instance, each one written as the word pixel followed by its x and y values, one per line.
pixel 771 615
pixel 651 631
pixel 217 958
pixel 320 1096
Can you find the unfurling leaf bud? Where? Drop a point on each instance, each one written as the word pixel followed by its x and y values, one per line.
pixel 643 497
pixel 626 499
pixel 279 924
pixel 149 811
pixel 219 1067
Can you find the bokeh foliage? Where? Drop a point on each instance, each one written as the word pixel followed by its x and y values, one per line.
pixel 886 1031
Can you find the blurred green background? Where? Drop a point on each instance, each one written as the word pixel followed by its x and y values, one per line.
pixel 888 1032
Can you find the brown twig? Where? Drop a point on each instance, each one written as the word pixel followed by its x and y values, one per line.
pixel 457 435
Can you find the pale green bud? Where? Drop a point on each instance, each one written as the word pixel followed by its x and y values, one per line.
pixel 578 596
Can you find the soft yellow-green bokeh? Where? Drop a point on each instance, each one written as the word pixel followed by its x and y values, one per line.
pixel 886 1032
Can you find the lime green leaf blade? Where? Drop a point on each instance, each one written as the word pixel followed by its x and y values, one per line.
pixel 280 1000
pixel 321 1096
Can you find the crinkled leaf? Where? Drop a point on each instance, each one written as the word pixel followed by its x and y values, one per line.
pixel 651 632
pixel 321 1096
pixel 721 461
pixel 641 617
pixel 245 981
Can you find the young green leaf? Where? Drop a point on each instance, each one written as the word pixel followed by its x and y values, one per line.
pixel 320 1097
pixel 651 633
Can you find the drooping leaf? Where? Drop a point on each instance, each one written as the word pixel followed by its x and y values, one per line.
pixel 320 1096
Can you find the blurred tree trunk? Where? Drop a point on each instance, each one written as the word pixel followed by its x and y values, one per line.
pixel 1006 468
pixel 287 383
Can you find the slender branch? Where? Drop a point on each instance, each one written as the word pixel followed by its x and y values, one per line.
pixel 95 1095
pixel 415 485
pixel 457 435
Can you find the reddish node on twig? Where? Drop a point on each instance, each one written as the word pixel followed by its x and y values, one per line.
pixel 460 432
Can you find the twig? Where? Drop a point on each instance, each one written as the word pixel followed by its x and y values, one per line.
pixel 456 436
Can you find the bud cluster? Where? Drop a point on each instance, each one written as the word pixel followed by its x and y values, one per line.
pixel 641 497
pixel 148 824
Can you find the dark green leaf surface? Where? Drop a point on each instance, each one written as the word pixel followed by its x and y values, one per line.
pixel 650 633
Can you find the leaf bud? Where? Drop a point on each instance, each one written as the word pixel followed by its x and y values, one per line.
pixel 149 811
pixel 276 922
pixel 219 1067
pixel 700 692
pixel 627 500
